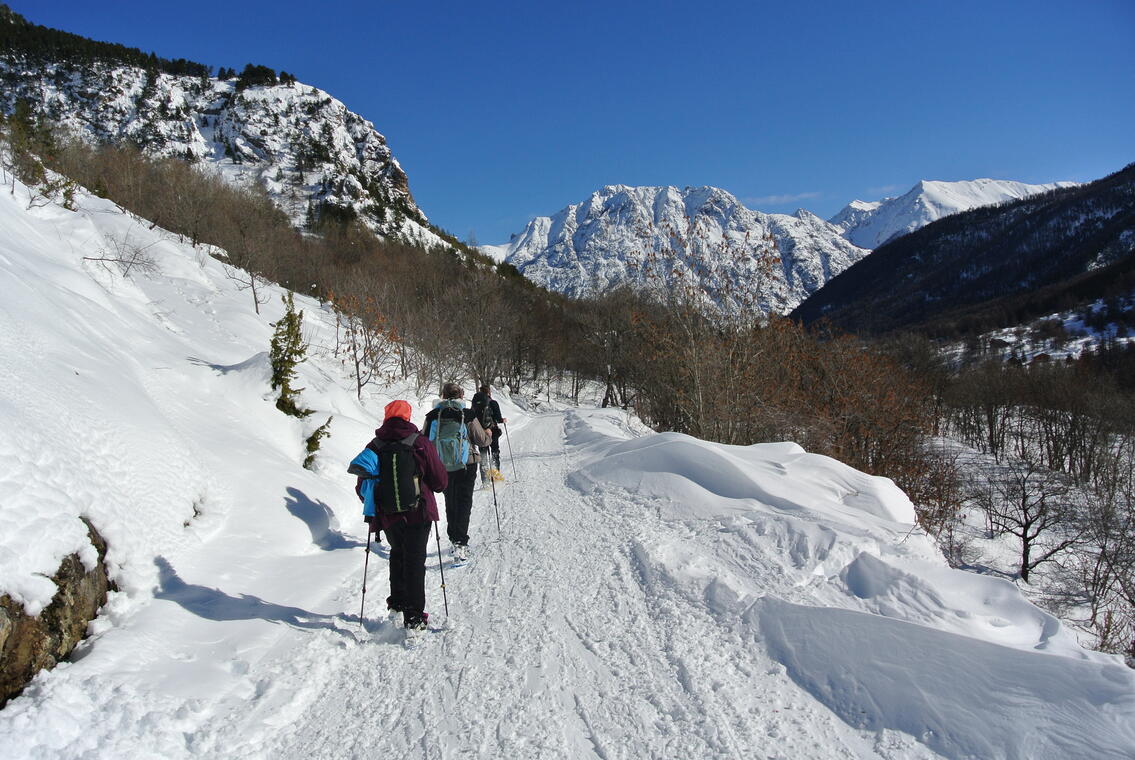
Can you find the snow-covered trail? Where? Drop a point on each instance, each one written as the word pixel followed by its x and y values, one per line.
pixel 560 643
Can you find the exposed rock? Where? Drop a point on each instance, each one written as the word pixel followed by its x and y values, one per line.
pixel 31 644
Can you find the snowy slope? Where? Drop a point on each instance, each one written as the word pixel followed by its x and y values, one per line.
pixel 870 224
pixel 646 595
pixel 300 144
pixel 659 238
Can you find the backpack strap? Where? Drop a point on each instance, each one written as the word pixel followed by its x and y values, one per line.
pixel 408 440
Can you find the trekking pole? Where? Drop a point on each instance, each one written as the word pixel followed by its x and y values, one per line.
pixel 366 564
pixel 495 507
pixel 444 598
pixel 510 456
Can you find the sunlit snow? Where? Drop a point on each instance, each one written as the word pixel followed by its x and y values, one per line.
pixel 646 595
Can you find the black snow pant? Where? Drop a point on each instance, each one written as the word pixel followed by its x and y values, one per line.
pixel 408 567
pixel 459 503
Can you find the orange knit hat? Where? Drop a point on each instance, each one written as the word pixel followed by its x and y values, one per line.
pixel 398 408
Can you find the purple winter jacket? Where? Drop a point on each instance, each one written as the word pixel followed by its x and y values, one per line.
pixel 430 470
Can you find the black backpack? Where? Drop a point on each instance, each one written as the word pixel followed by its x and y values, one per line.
pixel 398 490
pixel 483 410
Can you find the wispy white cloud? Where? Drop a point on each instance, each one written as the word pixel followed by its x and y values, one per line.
pixel 780 200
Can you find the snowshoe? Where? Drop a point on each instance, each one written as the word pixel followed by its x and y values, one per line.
pixel 416 629
pixel 460 554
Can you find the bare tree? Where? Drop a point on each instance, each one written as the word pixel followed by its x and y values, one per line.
pixel 361 339
pixel 1036 506
pixel 248 229
pixel 127 256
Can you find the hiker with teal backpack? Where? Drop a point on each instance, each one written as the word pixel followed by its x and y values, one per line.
pixel 459 437
pixel 398 473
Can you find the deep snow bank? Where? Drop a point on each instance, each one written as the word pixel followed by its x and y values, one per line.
pixel 821 565
pixel 960 696
pixel 142 404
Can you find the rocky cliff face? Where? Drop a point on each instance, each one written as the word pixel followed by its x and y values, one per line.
pixel 304 147
pixel 31 644
pixel 701 240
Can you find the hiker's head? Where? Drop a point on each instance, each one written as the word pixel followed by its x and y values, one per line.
pixel 452 390
pixel 486 390
pixel 398 408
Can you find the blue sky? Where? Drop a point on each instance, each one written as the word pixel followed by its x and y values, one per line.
pixel 501 111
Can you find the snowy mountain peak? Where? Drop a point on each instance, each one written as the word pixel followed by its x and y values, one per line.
pixel 871 224
pixel 304 147
pixel 739 260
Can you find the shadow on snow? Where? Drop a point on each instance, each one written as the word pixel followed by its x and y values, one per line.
pixel 320 520
pixel 214 604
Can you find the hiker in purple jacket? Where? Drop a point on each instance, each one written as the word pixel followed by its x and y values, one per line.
pixel 409 533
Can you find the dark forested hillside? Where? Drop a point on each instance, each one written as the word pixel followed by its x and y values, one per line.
pixel 40 43
pixel 993 266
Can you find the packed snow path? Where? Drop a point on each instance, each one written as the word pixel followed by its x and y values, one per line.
pixel 559 644
pixel 603 622
pixel 563 641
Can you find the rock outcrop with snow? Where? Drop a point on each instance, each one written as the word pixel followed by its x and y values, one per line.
pixel 300 144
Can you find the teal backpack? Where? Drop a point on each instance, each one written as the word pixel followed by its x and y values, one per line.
pixel 450 435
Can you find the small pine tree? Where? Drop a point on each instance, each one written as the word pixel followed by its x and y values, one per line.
pixel 313 442
pixel 288 349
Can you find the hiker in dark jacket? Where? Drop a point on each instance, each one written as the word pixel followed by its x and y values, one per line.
pixel 459 492
pixel 409 533
pixel 488 411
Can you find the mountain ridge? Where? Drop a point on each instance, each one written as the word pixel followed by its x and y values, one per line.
pixel 734 259
pixel 870 224
pixel 305 148
pixel 991 257
pixel 749 261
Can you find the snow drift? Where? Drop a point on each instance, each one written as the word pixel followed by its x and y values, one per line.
pixel 824 569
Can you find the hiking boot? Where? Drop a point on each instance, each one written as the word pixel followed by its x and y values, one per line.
pixel 460 552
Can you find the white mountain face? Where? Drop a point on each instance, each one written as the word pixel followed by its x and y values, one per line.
pixel 299 143
pixel 871 224
pixel 733 259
